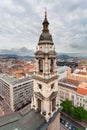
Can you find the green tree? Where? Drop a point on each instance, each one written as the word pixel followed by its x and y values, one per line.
pixel 85 115
pixel 67 106
pixel 78 113
pixel 77 129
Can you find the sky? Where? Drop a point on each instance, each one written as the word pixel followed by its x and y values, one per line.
pixel 21 24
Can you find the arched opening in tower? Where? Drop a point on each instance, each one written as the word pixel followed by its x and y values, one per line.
pixel 53 104
pixel 51 65
pixel 41 65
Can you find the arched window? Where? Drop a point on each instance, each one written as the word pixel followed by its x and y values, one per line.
pixel 41 65
pixel 51 65
pixel 53 104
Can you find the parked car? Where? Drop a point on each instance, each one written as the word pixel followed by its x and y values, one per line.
pixel 62 121
pixel 73 128
pixel 66 124
pixel 70 126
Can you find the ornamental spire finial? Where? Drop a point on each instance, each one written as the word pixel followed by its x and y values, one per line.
pixel 45 23
pixel 45 13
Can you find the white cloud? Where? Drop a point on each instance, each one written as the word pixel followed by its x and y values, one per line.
pixel 21 23
pixel 10 6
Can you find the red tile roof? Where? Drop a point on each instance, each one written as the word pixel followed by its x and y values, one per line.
pixel 82 88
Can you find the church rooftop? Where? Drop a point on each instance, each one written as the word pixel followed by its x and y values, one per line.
pixel 30 121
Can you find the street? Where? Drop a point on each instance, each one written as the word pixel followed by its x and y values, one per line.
pixel 62 127
pixel 72 122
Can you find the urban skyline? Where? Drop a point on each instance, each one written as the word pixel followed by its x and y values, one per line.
pixel 20 22
pixel 58 99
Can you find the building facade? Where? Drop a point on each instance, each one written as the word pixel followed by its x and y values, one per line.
pixel 77 99
pixel 45 99
pixel 74 87
pixel 16 92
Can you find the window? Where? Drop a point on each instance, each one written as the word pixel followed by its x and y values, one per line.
pixel 53 104
pixel 51 65
pixel 52 86
pixel 40 86
pixel 41 65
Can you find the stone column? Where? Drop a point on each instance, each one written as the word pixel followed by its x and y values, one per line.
pixel 46 108
pixel 51 109
pixel 46 65
pixel 35 103
pixel 43 66
pixel 37 66
pixel 57 103
pixel 49 65
pixel 32 103
pixel 55 66
pixel 41 106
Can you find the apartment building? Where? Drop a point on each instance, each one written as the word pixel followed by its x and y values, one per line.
pixel 16 92
pixel 82 95
pixel 74 88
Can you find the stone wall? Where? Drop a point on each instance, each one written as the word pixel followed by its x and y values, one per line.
pixel 55 125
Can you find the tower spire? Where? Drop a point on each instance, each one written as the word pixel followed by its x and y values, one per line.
pixel 45 23
pixel 45 13
pixel 45 77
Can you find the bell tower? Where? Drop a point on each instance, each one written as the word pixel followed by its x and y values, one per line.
pixel 45 99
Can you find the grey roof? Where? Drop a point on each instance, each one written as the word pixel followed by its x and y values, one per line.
pixel 13 80
pixel 45 36
pixel 30 121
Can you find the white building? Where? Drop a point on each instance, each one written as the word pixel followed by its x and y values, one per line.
pixel 77 94
pixel 16 92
